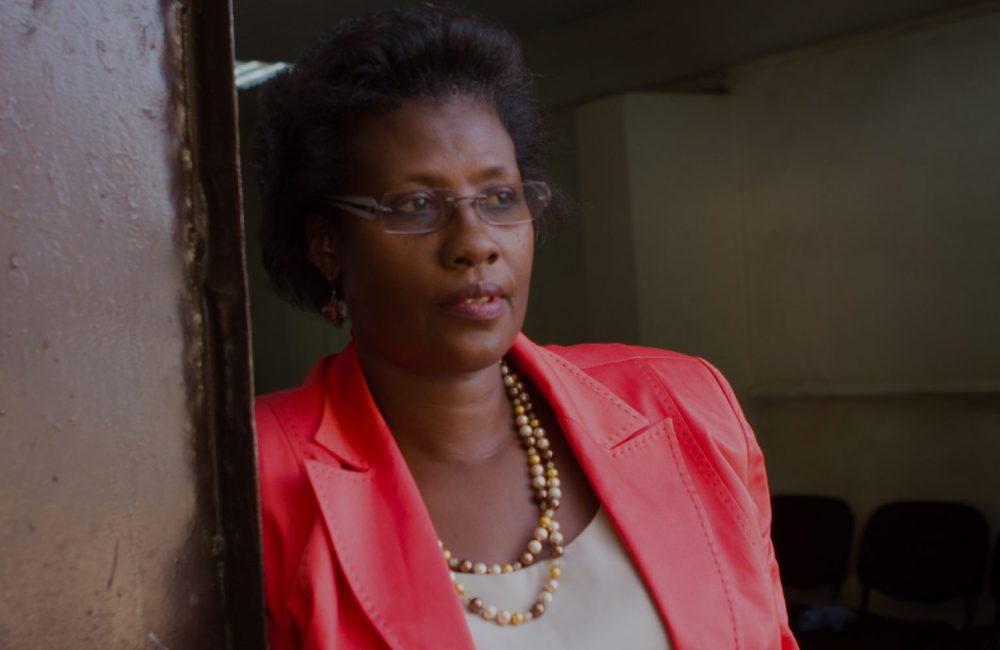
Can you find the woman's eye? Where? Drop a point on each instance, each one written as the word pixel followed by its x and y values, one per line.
pixel 416 204
pixel 500 197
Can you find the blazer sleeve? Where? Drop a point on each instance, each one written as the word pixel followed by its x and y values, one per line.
pixel 755 478
pixel 278 465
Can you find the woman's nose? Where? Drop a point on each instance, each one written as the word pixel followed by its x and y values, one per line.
pixel 469 241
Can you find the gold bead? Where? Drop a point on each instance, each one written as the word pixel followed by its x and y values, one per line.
pixel 459 587
pixel 545 522
pixel 518 410
pixel 507 568
pixel 534 459
pixel 555 572
pixel 517 618
pixel 534 422
pixel 553 473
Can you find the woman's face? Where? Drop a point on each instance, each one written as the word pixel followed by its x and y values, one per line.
pixel 450 300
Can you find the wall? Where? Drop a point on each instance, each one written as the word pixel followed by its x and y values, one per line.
pixel 109 522
pixel 827 233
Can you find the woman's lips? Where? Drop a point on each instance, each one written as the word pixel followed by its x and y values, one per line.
pixel 481 301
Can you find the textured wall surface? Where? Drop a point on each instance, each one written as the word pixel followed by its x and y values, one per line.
pixel 106 516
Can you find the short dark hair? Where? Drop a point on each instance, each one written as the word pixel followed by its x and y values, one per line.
pixel 369 65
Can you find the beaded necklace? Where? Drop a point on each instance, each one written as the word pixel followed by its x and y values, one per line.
pixel 548 493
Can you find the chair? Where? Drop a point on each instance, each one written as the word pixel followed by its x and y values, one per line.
pixel 812 540
pixel 812 543
pixel 979 637
pixel 922 552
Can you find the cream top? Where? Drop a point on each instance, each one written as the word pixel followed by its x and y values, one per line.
pixel 601 602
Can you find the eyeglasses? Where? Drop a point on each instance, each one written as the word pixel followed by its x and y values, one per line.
pixel 421 211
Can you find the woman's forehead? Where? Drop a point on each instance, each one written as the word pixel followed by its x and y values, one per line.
pixel 432 141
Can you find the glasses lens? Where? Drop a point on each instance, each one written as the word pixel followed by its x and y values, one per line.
pixel 515 203
pixel 538 196
pixel 411 212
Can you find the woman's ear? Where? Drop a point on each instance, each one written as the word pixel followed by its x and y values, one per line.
pixel 323 251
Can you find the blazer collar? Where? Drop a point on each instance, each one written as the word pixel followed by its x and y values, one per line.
pixel 573 396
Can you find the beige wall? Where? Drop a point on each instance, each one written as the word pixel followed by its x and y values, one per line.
pixel 828 234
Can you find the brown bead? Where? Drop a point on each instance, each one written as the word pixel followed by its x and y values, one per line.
pixel 541 495
pixel 527 558
pixel 553 504
pixel 476 605
pixel 465 566
pixel 537 609
pixel 547 454
pixel 558 551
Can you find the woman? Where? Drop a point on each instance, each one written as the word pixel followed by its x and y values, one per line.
pixel 444 482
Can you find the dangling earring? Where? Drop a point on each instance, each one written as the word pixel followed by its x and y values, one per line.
pixel 335 310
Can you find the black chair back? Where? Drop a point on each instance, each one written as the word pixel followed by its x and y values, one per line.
pixel 812 540
pixel 925 552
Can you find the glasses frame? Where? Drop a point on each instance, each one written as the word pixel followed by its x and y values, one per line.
pixel 368 208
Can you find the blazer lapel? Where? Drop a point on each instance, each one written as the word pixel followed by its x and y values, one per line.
pixel 380 529
pixel 637 471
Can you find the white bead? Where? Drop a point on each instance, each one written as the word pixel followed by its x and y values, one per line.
pixel 554 526
pixel 539 432
pixel 495 569
pixel 545 597
pixel 552 585
pixel 535 546
pixel 525 431
pixel 507 380
pixel 538 482
pixel 555 493
pixel 554 482
pixel 479 568
pixel 537 470
pixel 521 420
pixel 541 534
pixel 556 537
pixel 503 618
pixel 489 613
pixel 542 443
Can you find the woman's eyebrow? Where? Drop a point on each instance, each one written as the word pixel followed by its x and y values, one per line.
pixel 433 180
pixel 490 173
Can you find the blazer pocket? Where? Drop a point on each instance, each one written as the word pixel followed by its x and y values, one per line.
pixel 657 431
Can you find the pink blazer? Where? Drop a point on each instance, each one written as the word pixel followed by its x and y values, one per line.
pixel 351 557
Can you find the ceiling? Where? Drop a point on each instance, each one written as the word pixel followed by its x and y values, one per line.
pixel 264 32
pixel 581 50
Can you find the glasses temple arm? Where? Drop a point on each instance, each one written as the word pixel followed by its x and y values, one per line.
pixel 362 206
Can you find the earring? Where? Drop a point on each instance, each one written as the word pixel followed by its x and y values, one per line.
pixel 335 310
